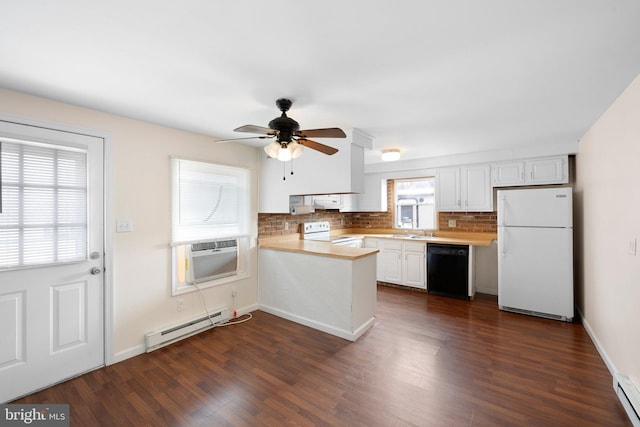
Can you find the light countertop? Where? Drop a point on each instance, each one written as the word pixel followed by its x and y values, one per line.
pixel 317 248
pixel 293 243
pixel 471 239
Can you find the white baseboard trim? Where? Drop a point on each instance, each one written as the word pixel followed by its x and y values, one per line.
pixel 622 396
pixel 364 328
pixel 140 349
pixel 603 354
pixel 246 310
pixel 128 353
pixel 342 333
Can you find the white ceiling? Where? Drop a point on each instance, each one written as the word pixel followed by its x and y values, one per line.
pixel 431 77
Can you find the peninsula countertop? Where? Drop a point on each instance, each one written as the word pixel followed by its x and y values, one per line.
pixel 318 248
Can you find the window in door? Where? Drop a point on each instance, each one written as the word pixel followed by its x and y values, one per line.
pixel 44 204
pixel 415 203
pixel 210 203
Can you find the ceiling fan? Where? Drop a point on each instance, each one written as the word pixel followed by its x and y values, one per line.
pixel 289 139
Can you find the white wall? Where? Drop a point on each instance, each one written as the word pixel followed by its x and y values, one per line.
pixel 141 191
pixel 607 217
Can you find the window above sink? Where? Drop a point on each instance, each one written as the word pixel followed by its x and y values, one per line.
pixel 414 204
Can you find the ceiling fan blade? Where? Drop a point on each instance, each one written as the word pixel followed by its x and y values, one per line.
pixel 322 133
pixel 239 139
pixel 256 129
pixel 317 146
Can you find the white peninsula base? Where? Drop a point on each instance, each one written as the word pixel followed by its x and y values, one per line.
pixel 334 295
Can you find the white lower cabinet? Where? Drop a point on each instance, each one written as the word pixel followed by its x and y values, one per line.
pixel 401 262
pixel 375 243
pixel 414 265
pixel 391 261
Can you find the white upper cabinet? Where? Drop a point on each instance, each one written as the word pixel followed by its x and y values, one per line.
pixel 476 188
pixel 506 174
pixel 547 170
pixel 374 196
pixel 464 189
pixel 314 172
pixel 448 189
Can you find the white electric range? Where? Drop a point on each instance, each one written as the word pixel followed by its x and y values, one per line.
pixel 321 231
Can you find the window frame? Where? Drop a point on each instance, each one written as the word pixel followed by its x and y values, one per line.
pixel 178 246
pixel 58 188
pixel 395 203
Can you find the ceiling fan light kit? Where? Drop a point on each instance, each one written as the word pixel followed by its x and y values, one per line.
pixel 390 154
pixel 290 140
pixel 282 151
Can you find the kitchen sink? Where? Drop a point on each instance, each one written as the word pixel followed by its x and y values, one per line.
pixel 413 236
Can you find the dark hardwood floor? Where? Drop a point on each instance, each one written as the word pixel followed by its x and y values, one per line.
pixel 428 361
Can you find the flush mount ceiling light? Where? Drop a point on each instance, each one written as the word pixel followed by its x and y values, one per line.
pixel 390 154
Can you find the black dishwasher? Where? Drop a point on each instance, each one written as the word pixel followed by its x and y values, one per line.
pixel 448 270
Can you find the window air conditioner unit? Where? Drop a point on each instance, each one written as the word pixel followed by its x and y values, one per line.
pixel 212 260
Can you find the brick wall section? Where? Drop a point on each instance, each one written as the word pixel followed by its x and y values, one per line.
pixel 282 224
pixel 478 222
pixel 376 219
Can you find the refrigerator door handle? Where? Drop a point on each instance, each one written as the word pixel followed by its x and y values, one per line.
pixel 501 210
pixel 504 243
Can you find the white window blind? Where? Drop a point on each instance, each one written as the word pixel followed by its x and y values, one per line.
pixel 209 201
pixel 44 204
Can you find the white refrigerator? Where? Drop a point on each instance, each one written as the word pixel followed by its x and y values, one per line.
pixel 535 252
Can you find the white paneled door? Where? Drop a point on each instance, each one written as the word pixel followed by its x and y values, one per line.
pixel 51 257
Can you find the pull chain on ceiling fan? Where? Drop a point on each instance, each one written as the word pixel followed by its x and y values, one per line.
pixel 289 139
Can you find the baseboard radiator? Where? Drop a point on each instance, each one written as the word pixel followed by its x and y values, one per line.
pixel 629 397
pixel 171 334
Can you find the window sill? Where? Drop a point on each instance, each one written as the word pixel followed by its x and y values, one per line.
pixel 185 289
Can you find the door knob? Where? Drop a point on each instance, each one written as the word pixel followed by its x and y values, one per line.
pixel 95 271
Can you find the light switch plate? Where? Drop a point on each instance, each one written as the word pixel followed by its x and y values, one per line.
pixel 632 246
pixel 124 225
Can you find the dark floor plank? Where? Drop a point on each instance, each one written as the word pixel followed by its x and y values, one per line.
pixel 428 361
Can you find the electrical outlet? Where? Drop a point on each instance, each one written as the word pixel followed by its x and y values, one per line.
pixel 452 223
pixel 124 225
pixel 181 304
pixel 286 226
